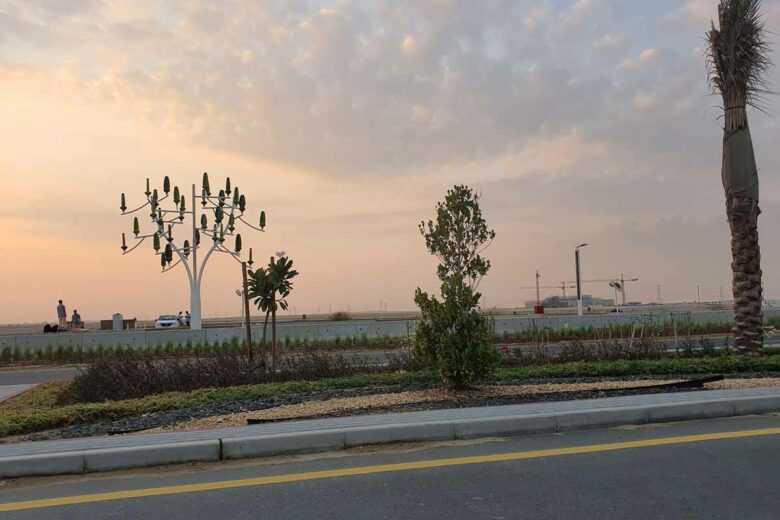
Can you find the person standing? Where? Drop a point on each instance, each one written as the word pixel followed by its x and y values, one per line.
pixel 187 318
pixel 62 315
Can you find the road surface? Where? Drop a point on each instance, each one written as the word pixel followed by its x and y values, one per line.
pixel 24 376
pixel 724 468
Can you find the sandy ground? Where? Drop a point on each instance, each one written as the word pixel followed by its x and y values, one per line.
pixel 347 404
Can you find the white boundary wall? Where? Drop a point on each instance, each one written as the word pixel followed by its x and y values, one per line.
pixel 330 330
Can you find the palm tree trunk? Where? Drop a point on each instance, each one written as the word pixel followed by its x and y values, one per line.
pixel 265 325
pixel 273 340
pixel 746 268
pixel 740 181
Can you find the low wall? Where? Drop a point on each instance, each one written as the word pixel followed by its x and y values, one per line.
pixel 330 330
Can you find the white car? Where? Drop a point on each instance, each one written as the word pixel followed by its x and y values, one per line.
pixel 167 321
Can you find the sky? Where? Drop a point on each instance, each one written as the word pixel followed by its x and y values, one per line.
pixel 346 121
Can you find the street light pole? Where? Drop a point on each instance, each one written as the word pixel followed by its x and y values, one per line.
pixel 247 320
pixel 538 301
pixel 579 286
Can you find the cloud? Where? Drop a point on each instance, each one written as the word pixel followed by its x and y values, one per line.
pixel 611 42
pixel 536 16
pixel 648 56
pixel 408 44
pixel 701 11
pixel 347 88
pixel 359 114
pixel 577 13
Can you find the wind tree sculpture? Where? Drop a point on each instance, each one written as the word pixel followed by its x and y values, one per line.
pixel 215 224
pixel 738 59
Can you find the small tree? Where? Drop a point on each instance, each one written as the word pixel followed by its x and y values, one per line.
pixel 270 287
pixel 459 236
pixel 452 336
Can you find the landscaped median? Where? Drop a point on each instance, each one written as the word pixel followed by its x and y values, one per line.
pixel 41 410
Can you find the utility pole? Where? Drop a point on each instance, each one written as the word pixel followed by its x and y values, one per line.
pixel 698 294
pixel 538 300
pixel 579 285
pixel 273 326
pixel 658 294
pixel 246 312
pixel 623 289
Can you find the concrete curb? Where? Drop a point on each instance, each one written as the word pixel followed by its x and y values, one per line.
pixel 334 439
pixel 152 455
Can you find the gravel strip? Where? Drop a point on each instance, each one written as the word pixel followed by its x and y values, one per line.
pixel 384 402
pixel 373 400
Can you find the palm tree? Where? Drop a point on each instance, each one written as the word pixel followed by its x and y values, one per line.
pixel 261 289
pixel 738 62
pixel 270 287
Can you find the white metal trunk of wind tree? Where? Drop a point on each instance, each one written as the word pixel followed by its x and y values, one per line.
pixel 222 208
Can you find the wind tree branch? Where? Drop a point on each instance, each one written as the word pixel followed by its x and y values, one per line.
pixel 203 262
pixel 139 208
pixel 241 218
pixel 173 266
pixel 182 256
pixel 140 241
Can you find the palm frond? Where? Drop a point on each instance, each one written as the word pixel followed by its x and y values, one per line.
pixel 738 54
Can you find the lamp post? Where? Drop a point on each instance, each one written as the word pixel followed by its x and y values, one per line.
pixel 579 286
pixel 240 294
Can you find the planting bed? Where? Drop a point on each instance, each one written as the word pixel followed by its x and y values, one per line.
pixel 377 399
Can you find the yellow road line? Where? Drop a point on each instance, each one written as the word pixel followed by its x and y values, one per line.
pixel 383 468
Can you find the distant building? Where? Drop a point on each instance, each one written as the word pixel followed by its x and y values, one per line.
pixel 566 302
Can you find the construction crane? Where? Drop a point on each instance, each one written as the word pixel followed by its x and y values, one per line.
pixel 618 284
pixel 563 286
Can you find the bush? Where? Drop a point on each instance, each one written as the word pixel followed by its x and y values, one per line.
pixel 127 376
pixel 453 337
pixel 340 316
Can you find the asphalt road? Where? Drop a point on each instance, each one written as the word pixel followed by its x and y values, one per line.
pixel 728 469
pixel 23 376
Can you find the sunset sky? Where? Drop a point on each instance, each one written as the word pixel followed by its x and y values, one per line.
pixel 346 121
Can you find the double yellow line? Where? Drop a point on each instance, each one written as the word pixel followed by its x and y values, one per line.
pixel 371 470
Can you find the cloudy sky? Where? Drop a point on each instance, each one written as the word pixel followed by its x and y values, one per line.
pixel 578 120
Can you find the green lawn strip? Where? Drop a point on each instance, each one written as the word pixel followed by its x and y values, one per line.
pixel 644 367
pixel 37 410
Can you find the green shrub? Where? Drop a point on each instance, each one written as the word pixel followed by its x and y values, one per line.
pixel 453 337
pixel 340 316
